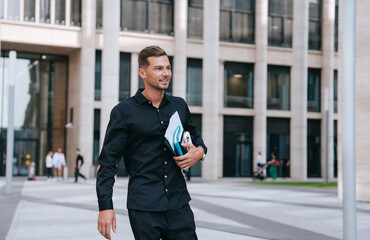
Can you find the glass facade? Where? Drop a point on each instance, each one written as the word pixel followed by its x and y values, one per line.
pixel 278 140
pixel 29 11
pixel 96 144
pixel 238 146
pixel 39 112
pixel 124 76
pixel 60 12
pixel 195 19
pixel 238 89
pixel 336 26
pixel 44 11
pixel 98 69
pixel 150 16
pixel 314 36
pixel 335 152
pixel 196 169
pixel 278 88
pixel 76 13
pixel 280 23
pixel 313 148
pixel 237 21
pixel 314 90
pixel 194 82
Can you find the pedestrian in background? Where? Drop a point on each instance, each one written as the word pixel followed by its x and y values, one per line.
pixel 274 164
pixel 285 163
pixel 79 162
pixel 49 165
pixel 59 160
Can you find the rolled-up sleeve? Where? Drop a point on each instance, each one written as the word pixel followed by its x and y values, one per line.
pixel 114 145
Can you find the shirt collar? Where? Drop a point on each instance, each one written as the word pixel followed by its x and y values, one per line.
pixel 141 99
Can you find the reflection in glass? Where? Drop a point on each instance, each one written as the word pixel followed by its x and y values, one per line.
pixel 98 70
pixel 278 88
pixel 237 21
pixel 238 85
pixel 313 148
pixel 13 9
pixel 60 12
pixel 152 16
pixel 313 90
pixel 99 14
pixel 29 10
pixel 314 36
pixel 124 76
pixel 44 11
pixel 76 13
pixel 280 23
pixel 195 19
pixel 194 82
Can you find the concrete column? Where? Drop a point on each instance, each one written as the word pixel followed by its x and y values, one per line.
pixel 260 81
pixel 211 22
pixel 327 81
pixel 134 73
pixel 68 13
pixel 110 63
pixel 179 60
pixel 298 83
pixel 81 92
pixel 52 11
pixel 37 11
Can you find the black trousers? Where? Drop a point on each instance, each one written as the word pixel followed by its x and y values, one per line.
pixel 77 173
pixel 168 225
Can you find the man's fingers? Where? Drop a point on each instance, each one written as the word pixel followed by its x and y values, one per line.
pixel 107 231
pixel 114 224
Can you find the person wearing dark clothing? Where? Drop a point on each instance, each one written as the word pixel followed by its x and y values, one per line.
pixel 286 166
pixel 157 198
pixel 79 162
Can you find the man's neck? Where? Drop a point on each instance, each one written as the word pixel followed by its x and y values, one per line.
pixel 154 95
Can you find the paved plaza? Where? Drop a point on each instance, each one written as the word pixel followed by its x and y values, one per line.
pixel 226 209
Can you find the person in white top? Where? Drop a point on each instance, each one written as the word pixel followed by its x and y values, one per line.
pixel 259 160
pixel 58 160
pixel 49 165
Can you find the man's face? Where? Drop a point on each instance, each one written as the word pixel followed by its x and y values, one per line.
pixel 158 74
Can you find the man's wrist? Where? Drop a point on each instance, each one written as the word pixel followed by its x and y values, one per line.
pixel 105 205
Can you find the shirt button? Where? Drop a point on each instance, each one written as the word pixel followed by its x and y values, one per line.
pixel 161 122
pixel 166 190
pixel 165 162
pixel 165 176
pixel 157 110
pixel 150 102
pixel 164 149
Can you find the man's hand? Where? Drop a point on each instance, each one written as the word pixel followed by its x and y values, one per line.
pixel 107 220
pixel 193 155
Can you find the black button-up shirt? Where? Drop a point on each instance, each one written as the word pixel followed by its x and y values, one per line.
pixel 136 131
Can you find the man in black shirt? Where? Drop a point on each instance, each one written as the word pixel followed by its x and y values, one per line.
pixel 157 198
pixel 79 162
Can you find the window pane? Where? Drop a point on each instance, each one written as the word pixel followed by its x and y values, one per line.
pixel 194 82
pixel 238 85
pixel 160 19
pixel 60 12
pixel 313 94
pixel 238 137
pixel 335 91
pixel 195 21
pixel 76 13
pixel 133 15
pixel 278 88
pixel 44 11
pixel 99 14
pixel 336 27
pixel 97 75
pixel 314 37
pixel 237 21
pixel 29 10
pixel 13 9
pixel 124 76
pixel 313 148
pixel 280 23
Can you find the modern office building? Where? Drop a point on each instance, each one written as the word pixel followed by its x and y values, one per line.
pixel 258 75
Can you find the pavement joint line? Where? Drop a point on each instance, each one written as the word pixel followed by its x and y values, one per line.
pixel 278 229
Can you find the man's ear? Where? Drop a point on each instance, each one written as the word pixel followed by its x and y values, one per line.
pixel 142 73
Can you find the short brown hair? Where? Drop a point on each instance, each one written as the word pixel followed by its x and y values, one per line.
pixel 150 51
